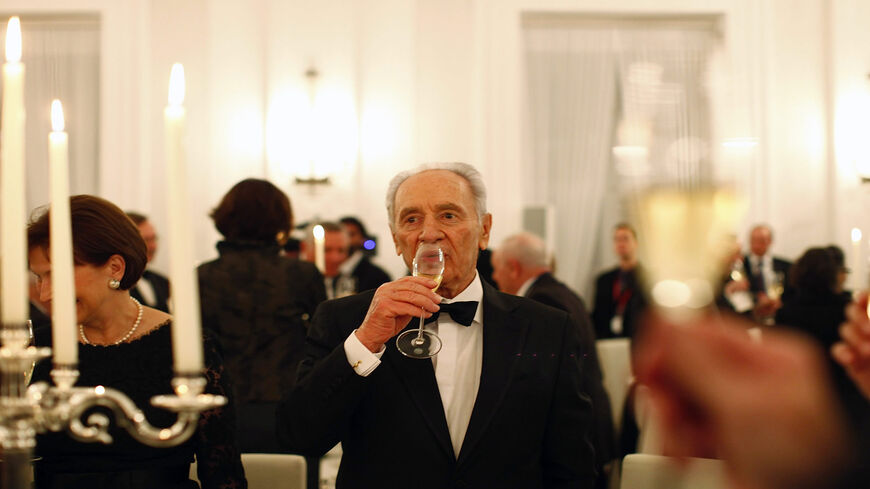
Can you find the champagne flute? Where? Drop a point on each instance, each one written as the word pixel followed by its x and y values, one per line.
pixel 420 343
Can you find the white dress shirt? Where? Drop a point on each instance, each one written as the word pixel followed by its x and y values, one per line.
pixel 457 366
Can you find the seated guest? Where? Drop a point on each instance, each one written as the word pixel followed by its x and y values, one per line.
pixel 258 303
pixel 126 346
pixel 520 267
pixel 366 274
pixel 817 308
pixel 618 297
pixel 153 288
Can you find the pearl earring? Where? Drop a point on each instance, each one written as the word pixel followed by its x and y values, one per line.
pixel 114 284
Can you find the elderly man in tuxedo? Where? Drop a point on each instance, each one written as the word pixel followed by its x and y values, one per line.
pixel 768 274
pixel 502 405
pixel 521 267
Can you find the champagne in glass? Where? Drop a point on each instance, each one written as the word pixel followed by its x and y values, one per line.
pixel 421 343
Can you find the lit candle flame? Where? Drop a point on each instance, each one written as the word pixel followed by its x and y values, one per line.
pixel 13 40
pixel 57 124
pixel 318 232
pixel 176 85
pixel 856 235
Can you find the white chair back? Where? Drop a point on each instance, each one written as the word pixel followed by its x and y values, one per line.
pixel 643 471
pixel 270 471
pixel 614 355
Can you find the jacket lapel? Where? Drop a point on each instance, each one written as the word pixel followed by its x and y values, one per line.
pixel 503 337
pixel 418 378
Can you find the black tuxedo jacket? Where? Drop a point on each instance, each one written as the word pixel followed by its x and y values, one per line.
pixel 550 291
pixel 779 266
pixel 161 290
pixel 605 305
pixel 529 427
pixel 368 275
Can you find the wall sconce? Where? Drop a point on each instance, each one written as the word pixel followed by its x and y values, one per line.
pixel 312 179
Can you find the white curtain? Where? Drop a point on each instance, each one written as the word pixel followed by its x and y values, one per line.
pixel 62 61
pixel 593 84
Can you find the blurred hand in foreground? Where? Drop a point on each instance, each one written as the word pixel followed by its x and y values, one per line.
pixel 768 409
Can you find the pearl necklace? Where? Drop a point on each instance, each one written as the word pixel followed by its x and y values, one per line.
pixel 126 336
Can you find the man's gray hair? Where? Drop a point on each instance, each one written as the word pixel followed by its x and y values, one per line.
pixel 464 170
pixel 527 248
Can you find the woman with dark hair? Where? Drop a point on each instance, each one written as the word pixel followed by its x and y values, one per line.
pixel 258 303
pixel 817 307
pixel 127 346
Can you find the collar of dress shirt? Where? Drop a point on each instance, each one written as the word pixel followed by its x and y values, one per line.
pixel 524 289
pixel 474 292
pixel 352 261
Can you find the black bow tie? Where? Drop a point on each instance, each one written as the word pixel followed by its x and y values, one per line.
pixel 461 312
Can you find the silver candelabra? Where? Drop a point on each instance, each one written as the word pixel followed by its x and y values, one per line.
pixel 26 411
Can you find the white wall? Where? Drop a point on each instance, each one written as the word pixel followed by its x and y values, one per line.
pixel 442 80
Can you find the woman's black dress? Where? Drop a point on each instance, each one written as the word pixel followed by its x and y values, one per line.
pixel 141 369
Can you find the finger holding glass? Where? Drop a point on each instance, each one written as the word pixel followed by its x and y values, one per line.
pixel 421 343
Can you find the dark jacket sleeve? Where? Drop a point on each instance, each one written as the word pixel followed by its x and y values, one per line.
pixel 568 453
pixel 312 417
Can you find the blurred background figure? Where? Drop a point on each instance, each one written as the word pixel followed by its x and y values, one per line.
pixel 127 346
pixel 258 303
pixel 618 296
pixel 768 275
pixel 153 288
pixel 359 265
pixel 336 248
pixel 521 267
pixel 816 307
pixel 734 295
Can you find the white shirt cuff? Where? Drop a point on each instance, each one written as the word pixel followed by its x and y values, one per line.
pixel 360 358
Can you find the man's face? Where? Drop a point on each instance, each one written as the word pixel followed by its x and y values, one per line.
pixel 503 274
pixel 624 244
pixel 355 235
pixel 437 206
pixel 335 251
pixel 759 241
pixel 150 237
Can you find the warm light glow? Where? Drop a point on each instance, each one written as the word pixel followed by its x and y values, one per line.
pixel 176 85
pixel 856 235
pixel 742 142
pixel 13 40
pixel 57 124
pixel 318 232
pixel 99 390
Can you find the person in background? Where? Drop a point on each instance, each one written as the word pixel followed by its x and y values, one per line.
pixel 366 274
pixel 817 308
pixel 336 245
pixel 126 346
pixel 153 288
pixel 502 405
pixel 619 300
pixel 842 271
pixel 768 274
pixel 258 303
pixel 520 267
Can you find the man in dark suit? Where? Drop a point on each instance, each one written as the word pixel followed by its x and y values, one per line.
pixel 153 288
pixel 502 405
pixel 768 274
pixel 359 265
pixel 619 300
pixel 521 267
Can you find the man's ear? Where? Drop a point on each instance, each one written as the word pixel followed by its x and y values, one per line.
pixel 485 228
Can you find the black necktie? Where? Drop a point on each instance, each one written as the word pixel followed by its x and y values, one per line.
pixel 461 312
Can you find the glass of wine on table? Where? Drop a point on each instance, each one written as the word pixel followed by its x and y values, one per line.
pixel 420 342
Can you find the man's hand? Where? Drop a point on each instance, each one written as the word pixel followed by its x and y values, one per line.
pixel 853 351
pixel 394 305
pixel 766 408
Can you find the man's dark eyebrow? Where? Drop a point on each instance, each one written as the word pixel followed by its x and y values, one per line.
pixel 407 210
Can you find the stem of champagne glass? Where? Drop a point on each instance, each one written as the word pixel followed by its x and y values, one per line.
pixel 419 338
